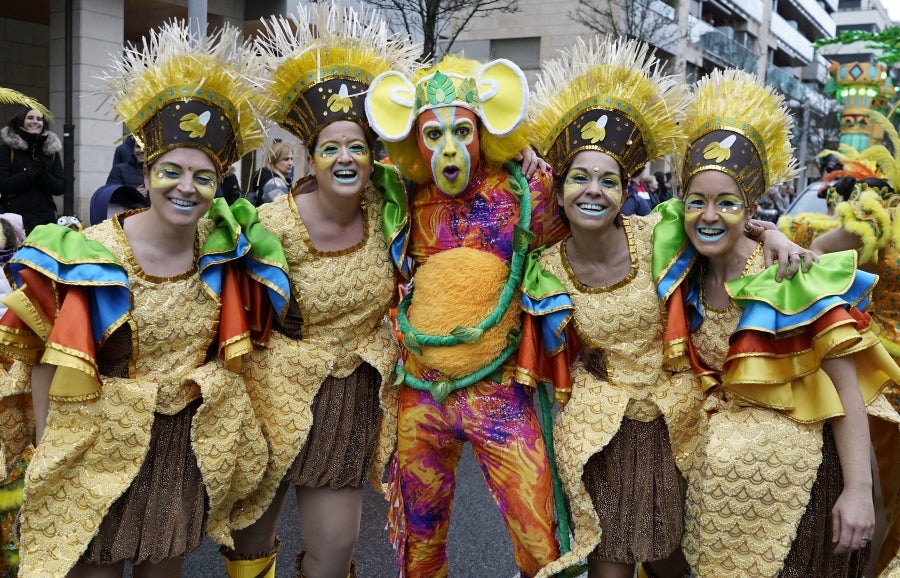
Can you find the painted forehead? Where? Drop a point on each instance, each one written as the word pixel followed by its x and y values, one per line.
pixel 444 113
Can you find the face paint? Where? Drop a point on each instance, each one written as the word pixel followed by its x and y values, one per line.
pixel 448 141
pixel 168 175
pixel 584 174
pixel 327 154
pixel 729 206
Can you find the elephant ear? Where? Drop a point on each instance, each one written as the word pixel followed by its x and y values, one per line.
pixel 390 106
pixel 503 92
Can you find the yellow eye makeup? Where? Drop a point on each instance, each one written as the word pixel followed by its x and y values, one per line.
pixel 577 179
pixel 726 204
pixel 167 175
pixel 327 152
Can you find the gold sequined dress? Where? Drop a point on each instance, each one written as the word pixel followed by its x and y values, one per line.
pixel 94 444
pixel 624 322
pixel 760 494
pixel 342 299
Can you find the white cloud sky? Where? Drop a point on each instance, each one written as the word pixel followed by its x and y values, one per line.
pixel 893 8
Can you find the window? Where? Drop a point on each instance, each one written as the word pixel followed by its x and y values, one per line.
pixel 849 4
pixel 526 52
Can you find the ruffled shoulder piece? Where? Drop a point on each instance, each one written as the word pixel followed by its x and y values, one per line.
pixel 266 262
pixel 223 244
pixel 545 297
pixel 395 191
pixel 549 343
pixel 773 307
pixel 788 329
pixel 673 254
pixel 67 257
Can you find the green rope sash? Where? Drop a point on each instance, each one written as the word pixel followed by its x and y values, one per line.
pixel 414 340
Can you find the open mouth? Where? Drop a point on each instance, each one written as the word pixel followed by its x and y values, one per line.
pixel 710 234
pixel 182 204
pixel 450 172
pixel 346 176
pixel 592 209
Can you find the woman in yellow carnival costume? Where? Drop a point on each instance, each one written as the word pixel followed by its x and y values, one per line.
pixel 598 114
pixel 783 484
pixel 322 386
pixel 130 333
pixel 866 215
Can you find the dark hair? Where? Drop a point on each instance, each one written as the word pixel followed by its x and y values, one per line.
pixel 9 233
pixel 18 119
pixel 844 186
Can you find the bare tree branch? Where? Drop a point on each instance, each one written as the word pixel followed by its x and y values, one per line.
pixel 439 21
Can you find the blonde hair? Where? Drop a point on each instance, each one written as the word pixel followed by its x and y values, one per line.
pixel 277 152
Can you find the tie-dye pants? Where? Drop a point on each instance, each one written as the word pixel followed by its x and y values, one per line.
pixel 500 422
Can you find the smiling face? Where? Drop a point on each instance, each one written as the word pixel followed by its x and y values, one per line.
pixel 33 122
pixel 182 184
pixel 592 190
pixel 448 141
pixel 341 160
pixel 715 213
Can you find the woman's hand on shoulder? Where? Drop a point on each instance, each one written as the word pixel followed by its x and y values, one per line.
pixel 789 256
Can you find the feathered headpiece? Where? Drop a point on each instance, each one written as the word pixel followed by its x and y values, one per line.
pixel 10 96
pixel 179 90
pixel 607 95
pixel 322 61
pixel 739 127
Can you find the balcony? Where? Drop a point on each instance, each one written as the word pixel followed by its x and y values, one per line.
pixel 751 9
pixel 791 41
pixel 722 48
pixel 816 71
pixel 810 11
pixel 786 82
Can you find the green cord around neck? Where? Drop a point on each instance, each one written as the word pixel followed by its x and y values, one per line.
pixel 414 340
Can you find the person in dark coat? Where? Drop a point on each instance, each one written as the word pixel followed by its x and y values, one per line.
pixel 124 151
pixel 31 171
pixel 130 172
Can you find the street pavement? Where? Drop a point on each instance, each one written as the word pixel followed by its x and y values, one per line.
pixel 479 546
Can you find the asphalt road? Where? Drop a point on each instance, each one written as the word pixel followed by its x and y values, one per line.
pixel 479 546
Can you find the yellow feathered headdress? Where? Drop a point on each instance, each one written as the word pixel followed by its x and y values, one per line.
pixel 179 90
pixel 740 127
pixel 10 96
pixel 322 61
pixel 607 95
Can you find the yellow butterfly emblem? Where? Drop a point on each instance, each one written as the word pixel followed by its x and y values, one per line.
pixel 595 131
pixel 720 151
pixel 195 125
pixel 340 101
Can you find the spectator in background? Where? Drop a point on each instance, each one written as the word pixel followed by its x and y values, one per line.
pixel 230 187
pixel 652 189
pixel 130 172
pixel 31 172
pixel 662 186
pixel 272 180
pixel 124 151
pixel 781 198
pixel 637 201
